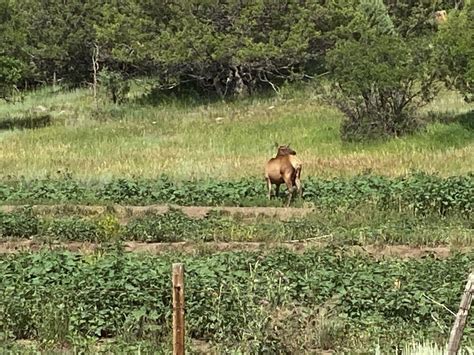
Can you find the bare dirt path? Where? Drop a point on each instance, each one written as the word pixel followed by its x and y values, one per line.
pixel 399 251
pixel 125 212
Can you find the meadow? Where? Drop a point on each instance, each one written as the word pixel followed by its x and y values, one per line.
pixel 86 253
pixel 195 139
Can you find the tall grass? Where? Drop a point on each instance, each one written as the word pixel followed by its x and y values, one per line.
pixel 224 140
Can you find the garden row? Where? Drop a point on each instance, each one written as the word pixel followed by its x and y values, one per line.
pixel 418 193
pixel 363 226
pixel 257 300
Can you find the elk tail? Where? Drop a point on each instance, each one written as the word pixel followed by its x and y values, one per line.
pixel 296 163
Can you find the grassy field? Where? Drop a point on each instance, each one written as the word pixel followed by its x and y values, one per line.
pixel 220 140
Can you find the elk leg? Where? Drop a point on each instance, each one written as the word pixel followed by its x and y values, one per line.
pixel 269 187
pixel 299 188
pixel 277 190
pixel 289 186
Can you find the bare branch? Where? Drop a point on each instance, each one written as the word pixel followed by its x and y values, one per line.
pixel 263 77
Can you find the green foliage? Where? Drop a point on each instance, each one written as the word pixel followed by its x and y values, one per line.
pixel 231 48
pixel 456 52
pixel 115 85
pixel 231 298
pixel 224 48
pixel 10 74
pixel 12 54
pixel 60 38
pixel 72 229
pixel 62 190
pixel 379 82
pixel 416 193
pixel 415 18
pixel 109 227
pixel 381 74
pixel 169 227
pixel 377 16
pixel 22 224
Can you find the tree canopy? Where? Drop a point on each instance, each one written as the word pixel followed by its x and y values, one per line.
pixel 237 47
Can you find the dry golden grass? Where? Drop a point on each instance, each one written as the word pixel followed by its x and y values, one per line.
pixel 220 140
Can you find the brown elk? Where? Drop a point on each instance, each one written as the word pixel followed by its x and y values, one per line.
pixel 284 168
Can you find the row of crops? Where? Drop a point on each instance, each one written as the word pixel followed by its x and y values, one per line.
pixel 418 193
pixel 248 302
pixel 253 301
pixel 357 227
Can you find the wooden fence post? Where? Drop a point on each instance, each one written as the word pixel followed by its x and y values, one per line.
pixel 178 309
pixel 461 317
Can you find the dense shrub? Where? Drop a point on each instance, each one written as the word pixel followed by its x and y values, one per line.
pixel 379 83
pixel 456 52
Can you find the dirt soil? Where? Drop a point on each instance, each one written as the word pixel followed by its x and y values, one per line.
pixel 125 212
pixel 377 251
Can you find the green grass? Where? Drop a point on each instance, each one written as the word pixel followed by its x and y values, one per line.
pixel 220 140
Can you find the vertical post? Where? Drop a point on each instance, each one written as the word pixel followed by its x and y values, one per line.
pixel 461 317
pixel 178 308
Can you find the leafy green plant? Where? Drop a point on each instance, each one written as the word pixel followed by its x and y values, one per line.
pixel 417 193
pixel 109 227
pixel 115 85
pixel 231 297
pixel 21 224
pixel 73 229
pixel 169 227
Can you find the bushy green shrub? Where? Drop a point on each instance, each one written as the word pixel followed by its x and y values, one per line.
pixel 379 82
pixel 456 52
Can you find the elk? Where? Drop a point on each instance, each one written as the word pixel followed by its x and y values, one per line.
pixel 285 168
